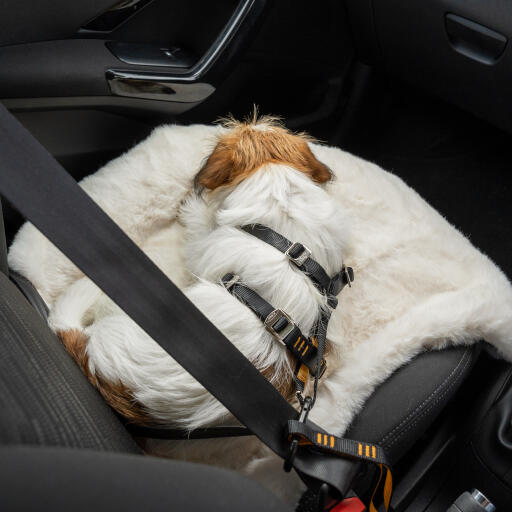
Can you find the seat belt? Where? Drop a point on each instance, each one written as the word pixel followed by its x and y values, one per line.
pixel 46 195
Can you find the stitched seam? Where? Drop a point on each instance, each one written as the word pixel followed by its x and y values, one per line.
pixel 436 401
pixel 431 406
pixel 502 387
pixel 430 397
pixel 426 400
pixel 85 416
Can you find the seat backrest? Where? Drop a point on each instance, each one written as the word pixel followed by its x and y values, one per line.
pixel 3 245
pixel 44 398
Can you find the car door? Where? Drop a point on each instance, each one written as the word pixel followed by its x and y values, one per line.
pixel 89 79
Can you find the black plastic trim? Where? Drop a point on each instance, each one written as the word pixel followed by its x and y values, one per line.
pixel 138 84
pixel 150 55
pixel 474 40
pixel 114 16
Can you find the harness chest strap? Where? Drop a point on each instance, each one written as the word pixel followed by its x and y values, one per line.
pixel 277 322
pixel 300 255
pixel 299 432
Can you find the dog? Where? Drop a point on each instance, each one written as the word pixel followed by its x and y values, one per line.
pixel 258 173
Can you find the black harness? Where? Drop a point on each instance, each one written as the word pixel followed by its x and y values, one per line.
pixel 307 350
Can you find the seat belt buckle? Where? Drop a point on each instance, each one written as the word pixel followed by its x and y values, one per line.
pixel 307 404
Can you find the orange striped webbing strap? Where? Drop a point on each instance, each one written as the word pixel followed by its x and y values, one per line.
pixel 349 448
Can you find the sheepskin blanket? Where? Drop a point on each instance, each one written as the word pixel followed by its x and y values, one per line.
pixel 419 282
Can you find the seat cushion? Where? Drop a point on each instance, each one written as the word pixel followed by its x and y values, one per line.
pixel 60 480
pixel 406 404
pixel 44 398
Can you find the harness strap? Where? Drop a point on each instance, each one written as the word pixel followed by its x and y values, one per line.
pixel 280 325
pixel 300 255
pixel 309 436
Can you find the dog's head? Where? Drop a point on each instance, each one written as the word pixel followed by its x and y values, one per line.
pixel 247 146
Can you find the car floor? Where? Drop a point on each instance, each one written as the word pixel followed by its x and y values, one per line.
pixel 458 163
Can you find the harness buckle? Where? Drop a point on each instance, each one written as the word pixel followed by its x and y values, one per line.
pixel 348 273
pixel 298 253
pixel 279 324
pixel 343 277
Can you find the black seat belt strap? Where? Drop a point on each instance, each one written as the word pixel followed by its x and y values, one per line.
pixel 48 197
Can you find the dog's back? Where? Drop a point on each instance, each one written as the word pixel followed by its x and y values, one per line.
pixel 289 200
pixel 258 173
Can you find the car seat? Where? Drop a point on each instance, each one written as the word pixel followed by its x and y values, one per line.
pixel 62 445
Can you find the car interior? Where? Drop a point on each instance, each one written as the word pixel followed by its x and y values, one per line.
pixel 419 88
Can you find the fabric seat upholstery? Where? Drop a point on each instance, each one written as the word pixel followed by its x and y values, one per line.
pixel 82 480
pixel 47 401
pixel 44 398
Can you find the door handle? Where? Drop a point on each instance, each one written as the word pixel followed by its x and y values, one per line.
pixel 180 84
pixel 474 40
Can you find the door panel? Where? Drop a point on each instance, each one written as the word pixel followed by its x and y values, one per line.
pixel 28 21
pixel 83 63
pixel 83 89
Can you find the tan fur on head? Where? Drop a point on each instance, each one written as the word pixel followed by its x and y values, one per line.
pixel 253 143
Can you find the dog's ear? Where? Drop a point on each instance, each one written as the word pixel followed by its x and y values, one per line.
pixel 248 146
pixel 311 166
pixel 217 170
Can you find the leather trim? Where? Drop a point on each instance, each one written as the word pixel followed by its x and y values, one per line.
pixel 405 405
pixel 430 402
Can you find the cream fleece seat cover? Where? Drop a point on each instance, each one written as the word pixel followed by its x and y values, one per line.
pixel 419 282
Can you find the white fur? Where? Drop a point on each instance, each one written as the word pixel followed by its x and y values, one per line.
pixel 141 190
pixel 419 282
pixel 277 196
